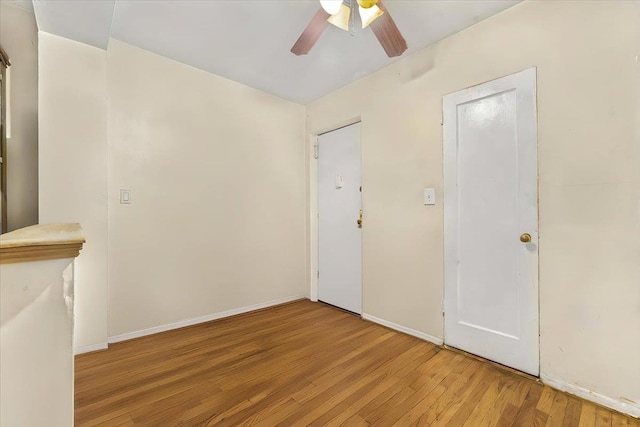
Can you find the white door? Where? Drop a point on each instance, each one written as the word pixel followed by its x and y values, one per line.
pixel 339 205
pixel 491 211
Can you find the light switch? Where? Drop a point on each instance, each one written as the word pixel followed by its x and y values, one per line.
pixel 429 196
pixel 125 197
pixel 339 181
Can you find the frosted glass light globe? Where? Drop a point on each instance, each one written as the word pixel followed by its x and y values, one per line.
pixel 331 6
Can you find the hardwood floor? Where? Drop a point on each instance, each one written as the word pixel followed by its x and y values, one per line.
pixel 303 364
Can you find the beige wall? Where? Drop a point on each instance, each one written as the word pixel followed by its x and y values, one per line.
pixel 216 171
pixel 586 54
pixel 19 38
pixel 73 167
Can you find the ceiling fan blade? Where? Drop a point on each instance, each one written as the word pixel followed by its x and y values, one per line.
pixel 388 34
pixel 312 33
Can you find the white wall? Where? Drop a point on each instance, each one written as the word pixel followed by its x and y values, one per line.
pixel 36 337
pixel 216 171
pixel 19 38
pixel 586 54
pixel 73 167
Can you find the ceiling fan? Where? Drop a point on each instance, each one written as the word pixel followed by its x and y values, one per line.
pixel 338 12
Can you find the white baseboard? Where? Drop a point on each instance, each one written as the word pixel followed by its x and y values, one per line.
pixel 202 319
pixel 616 404
pixel 90 348
pixel 400 328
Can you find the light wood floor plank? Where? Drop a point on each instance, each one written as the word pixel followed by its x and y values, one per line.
pixel 491 417
pixel 588 415
pixel 463 404
pixel 435 377
pixel 546 400
pixel 572 413
pixel 529 415
pixel 603 417
pixel 618 420
pixel 307 364
pixel 558 409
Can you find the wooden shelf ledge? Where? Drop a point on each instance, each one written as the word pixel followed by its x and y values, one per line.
pixel 41 242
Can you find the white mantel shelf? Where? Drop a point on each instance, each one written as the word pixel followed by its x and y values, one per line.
pixel 41 242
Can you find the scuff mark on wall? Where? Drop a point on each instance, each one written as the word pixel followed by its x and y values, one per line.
pixel 68 289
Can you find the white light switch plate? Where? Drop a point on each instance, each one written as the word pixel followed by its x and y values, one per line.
pixel 125 197
pixel 429 196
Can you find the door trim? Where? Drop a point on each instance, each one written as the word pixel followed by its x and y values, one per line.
pixel 312 200
pixel 448 235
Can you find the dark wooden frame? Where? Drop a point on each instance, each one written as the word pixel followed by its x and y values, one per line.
pixel 4 58
pixel 3 141
pixel 4 64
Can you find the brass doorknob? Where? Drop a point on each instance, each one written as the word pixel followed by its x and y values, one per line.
pixel 525 238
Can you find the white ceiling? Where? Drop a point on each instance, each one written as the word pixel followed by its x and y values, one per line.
pixel 87 21
pixel 22 4
pixel 249 40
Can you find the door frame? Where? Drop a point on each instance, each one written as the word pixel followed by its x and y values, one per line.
pixel 534 69
pixel 312 201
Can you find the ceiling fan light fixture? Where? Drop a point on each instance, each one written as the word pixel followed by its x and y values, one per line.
pixel 341 19
pixel 331 6
pixel 369 14
pixel 385 30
